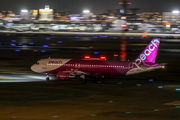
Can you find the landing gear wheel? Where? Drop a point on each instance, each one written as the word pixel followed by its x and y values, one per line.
pixel 47 79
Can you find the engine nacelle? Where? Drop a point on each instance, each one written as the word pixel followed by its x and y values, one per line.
pixel 62 76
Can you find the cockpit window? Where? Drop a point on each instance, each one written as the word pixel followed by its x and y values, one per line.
pixel 37 63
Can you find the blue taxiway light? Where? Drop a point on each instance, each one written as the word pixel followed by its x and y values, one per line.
pixel 114 37
pixel 48 38
pixel 59 42
pixel 150 80
pixel 45 46
pixel 96 52
pixel 13 40
pixel 102 36
pixel 24 45
pixel 13 44
pixel 20 44
pixel 31 43
pixel 160 86
pixel 43 50
pixel 95 37
pixel 131 37
pixel 76 36
pixel 79 35
pixel 17 50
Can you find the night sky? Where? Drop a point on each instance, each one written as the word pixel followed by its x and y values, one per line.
pixel 95 6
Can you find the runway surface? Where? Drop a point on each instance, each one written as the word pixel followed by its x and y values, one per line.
pixel 113 99
pixel 25 95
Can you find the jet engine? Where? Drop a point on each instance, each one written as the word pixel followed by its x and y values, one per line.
pixel 62 76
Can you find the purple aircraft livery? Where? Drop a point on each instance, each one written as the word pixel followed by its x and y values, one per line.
pixel 69 68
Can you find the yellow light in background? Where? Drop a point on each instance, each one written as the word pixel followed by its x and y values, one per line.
pixel 163 66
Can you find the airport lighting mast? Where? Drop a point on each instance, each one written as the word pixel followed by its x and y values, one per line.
pixel 124 4
pixel 123 53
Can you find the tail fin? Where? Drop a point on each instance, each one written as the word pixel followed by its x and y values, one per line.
pixel 149 54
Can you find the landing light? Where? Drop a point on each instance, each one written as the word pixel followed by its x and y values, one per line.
pixel 163 66
pixel 123 26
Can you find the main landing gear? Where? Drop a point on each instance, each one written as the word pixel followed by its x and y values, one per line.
pixel 84 80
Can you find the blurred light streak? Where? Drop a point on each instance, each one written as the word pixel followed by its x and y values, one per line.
pixel 160 87
pixel 45 46
pixel 96 52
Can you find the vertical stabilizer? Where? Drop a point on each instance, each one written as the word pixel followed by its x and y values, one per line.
pixel 149 54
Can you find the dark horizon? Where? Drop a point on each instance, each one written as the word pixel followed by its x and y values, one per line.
pixel 95 6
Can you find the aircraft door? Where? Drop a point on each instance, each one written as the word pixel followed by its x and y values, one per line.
pixel 44 64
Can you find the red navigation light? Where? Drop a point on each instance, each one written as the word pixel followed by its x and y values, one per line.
pixel 116 55
pixel 87 57
pixel 103 58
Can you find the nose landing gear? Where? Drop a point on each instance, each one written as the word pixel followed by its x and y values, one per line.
pixel 47 78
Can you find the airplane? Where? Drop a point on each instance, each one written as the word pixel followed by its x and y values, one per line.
pixel 70 68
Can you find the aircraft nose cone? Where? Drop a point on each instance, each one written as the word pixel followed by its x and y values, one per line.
pixel 33 68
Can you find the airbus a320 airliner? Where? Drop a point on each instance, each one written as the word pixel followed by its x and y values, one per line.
pixel 69 68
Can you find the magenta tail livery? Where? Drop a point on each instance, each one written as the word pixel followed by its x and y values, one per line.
pixel 68 68
pixel 149 53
